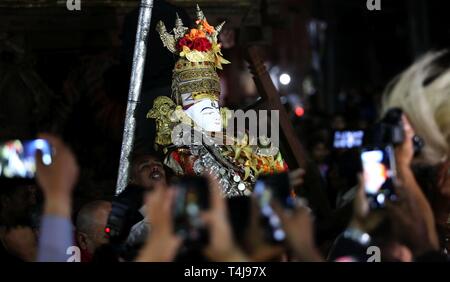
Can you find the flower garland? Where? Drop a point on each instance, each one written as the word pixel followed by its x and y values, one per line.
pixel 200 45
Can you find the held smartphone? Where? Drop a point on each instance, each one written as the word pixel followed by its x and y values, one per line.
pixel 17 158
pixel 192 196
pixel 268 188
pixel 379 172
pixel 348 139
pixel 240 216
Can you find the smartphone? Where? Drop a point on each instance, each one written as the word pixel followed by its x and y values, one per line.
pixel 379 172
pixel 348 139
pixel 17 158
pixel 239 214
pixel 278 185
pixel 192 196
pixel 273 187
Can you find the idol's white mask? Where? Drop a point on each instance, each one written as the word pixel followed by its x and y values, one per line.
pixel 206 115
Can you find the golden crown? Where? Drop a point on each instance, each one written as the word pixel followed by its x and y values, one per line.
pixel 194 75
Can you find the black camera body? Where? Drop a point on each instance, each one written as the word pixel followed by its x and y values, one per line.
pixel 124 213
pixel 390 131
pixel 378 158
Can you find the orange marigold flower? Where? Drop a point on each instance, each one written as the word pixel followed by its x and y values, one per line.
pixel 209 29
pixel 195 33
pixel 206 26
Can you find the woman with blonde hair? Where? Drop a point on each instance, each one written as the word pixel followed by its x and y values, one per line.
pixel 423 93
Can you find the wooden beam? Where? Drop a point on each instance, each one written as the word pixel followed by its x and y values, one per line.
pixel 290 146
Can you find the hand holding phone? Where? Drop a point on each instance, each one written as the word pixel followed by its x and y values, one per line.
pixel 17 158
pixel 268 188
pixel 162 244
pixel 60 177
pixel 379 174
pixel 192 197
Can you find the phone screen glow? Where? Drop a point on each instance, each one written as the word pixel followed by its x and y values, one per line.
pixel 376 170
pixel 17 158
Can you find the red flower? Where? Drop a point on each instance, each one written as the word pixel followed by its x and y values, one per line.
pixel 184 42
pixel 202 44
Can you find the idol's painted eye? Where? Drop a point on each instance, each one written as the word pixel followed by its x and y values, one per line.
pixel 206 108
pixel 214 104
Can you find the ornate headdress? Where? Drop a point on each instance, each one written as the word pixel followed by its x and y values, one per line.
pixel 194 75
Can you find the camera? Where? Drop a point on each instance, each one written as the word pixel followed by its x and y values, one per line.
pixel 124 214
pixel 378 158
pixel 389 131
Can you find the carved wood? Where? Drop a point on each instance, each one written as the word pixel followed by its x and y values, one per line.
pixel 290 146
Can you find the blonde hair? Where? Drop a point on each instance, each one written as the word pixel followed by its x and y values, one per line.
pixel 423 92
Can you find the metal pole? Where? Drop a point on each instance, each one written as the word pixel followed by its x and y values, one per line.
pixel 140 51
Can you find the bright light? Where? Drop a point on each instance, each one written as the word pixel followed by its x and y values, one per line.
pixel 40 144
pixel 299 111
pixel 285 79
pixel 279 235
pixel 381 198
pixel 365 238
pixel 47 159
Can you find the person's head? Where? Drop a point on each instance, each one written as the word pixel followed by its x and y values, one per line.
pixel 147 170
pixel 422 92
pixel 19 219
pixel 392 249
pixel 90 225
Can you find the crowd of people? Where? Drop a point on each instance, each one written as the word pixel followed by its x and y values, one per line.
pixel 39 223
pixel 70 212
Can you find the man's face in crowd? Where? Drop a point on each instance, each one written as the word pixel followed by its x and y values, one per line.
pixel 148 171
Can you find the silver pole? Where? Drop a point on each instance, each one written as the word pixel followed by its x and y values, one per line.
pixel 140 51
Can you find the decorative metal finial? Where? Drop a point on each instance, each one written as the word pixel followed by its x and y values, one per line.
pixel 178 21
pixel 219 27
pixel 200 15
pixel 180 30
